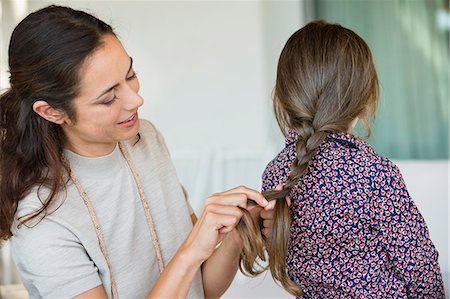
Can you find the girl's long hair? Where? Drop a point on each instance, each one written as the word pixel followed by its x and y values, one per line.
pixel 326 78
pixel 46 54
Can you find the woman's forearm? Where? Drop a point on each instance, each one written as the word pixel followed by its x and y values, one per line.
pixel 220 269
pixel 176 279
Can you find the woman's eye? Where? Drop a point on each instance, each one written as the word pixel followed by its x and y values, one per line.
pixel 109 102
pixel 133 76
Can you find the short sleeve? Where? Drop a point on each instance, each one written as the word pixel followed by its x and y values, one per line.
pixel 52 262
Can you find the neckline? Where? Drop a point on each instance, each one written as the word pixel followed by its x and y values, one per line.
pixel 95 167
pixel 342 137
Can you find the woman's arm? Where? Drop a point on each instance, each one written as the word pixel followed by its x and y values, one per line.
pixel 220 269
pixel 174 281
pixel 220 216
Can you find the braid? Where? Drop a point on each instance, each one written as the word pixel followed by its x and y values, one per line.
pixel 277 244
pixel 308 141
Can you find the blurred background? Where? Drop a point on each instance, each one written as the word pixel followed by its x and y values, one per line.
pixel 207 71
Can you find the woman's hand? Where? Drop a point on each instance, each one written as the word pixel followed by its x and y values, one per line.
pixel 268 214
pixel 220 216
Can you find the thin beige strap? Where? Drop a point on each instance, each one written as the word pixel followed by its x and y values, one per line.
pixel 150 222
pixel 98 231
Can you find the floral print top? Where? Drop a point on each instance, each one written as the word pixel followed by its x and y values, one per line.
pixel 355 233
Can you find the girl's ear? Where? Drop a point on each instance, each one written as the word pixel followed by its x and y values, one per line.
pixel 353 124
pixel 49 113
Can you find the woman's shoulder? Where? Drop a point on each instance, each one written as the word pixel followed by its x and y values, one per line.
pixel 43 250
pixel 60 213
pixel 147 127
pixel 149 137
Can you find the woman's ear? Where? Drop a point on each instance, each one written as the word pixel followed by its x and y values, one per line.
pixel 49 113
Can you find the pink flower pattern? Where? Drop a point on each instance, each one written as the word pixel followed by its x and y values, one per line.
pixel 356 233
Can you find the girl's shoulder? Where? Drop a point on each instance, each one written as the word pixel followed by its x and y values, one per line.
pixel 352 150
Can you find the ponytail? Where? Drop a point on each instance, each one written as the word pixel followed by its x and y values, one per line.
pixel 46 53
pixel 30 154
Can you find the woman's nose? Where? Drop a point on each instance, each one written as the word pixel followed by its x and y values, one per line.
pixel 131 98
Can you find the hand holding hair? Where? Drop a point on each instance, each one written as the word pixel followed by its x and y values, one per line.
pixel 221 214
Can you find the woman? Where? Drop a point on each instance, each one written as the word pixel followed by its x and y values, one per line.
pixel 89 197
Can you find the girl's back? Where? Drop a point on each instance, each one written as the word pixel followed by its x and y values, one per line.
pixel 352 230
pixel 355 231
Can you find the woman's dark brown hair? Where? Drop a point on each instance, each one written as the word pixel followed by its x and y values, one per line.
pixel 46 53
pixel 326 79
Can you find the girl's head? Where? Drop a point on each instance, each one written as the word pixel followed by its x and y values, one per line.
pixel 66 70
pixel 326 80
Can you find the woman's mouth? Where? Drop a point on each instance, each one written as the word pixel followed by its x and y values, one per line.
pixel 129 122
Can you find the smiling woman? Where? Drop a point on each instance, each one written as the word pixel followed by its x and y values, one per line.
pixel 89 197
pixel 107 103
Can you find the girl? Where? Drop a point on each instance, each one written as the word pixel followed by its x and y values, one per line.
pixel 351 230
pixel 89 197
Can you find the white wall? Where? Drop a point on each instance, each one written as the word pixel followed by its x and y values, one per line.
pixel 200 64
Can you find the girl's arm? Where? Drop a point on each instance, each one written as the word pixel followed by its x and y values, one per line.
pixel 406 238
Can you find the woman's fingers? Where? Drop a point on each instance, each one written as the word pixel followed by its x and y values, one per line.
pixel 255 212
pixel 221 214
pixel 271 205
pixel 266 232
pixel 230 199
pixel 229 223
pixel 267 214
pixel 224 210
pixel 210 229
pixel 268 223
pixel 249 193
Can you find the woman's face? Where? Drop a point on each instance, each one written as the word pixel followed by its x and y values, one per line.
pixel 106 108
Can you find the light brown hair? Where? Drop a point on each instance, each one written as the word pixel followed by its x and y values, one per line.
pixel 326 79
